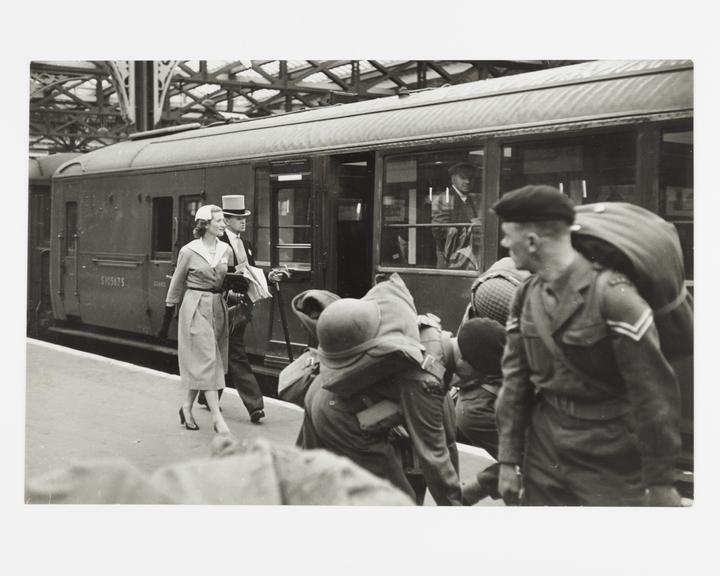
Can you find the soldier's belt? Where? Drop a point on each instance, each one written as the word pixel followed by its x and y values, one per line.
pixel 606 409
pixel 494 389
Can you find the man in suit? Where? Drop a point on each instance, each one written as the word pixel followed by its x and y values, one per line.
pixel 454 244
pixel 240 374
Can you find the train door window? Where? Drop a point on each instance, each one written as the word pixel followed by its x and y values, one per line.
pixel 162 226
pixel 186 221
pixel 71 227
pixel 40 215
pixel 432 210
pixel 262 218
pixel 676 189
pixel 294 214
pixel 591 168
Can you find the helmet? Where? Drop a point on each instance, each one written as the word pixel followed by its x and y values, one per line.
pixel 492 298
pixel 365 341
pixel 346 329
pixel 493 291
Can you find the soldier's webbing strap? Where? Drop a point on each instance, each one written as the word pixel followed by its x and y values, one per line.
pixel 433 366
pixel 431 336
pixel 542 322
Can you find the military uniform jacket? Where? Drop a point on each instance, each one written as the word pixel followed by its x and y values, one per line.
pixel 605 330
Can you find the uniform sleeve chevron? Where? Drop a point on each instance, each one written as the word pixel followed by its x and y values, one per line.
pixel 634 331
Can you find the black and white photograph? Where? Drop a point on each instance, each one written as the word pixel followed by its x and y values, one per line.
pixel 411 294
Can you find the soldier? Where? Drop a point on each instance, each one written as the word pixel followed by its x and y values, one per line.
pixel 480 343
pixel 370 381
pixel 588 409
pixel 478 355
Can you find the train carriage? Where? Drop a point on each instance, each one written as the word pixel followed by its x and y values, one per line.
pixel 341 193
pixel 40 171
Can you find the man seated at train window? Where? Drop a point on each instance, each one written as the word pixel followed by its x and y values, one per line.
pixel 456 246
pixel 588 409
pixel 363 396
pixel 240 374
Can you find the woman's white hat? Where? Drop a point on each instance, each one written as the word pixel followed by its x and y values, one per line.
pixel 205 212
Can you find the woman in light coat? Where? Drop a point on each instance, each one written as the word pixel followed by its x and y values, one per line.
pixel 203 318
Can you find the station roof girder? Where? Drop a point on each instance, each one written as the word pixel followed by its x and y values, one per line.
pixel 83 105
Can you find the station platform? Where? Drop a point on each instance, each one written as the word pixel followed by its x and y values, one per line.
pixel 82 406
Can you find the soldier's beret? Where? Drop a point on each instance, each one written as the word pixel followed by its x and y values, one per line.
pixel 535 204
pixel 462 167
pixel 481 342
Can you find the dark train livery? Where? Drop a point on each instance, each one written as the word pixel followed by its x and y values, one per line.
pixel 341 193
pixel 40 171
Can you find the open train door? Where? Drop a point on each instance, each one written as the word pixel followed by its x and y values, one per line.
pixel 287 233
pixel 319 227
pixel 350 180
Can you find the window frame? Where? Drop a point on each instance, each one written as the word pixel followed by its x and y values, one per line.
pixel 70 239
pixel 157 227
pixel 381 184
pixel 269 179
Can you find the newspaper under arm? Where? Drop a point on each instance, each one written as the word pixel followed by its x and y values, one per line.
pixel 258 289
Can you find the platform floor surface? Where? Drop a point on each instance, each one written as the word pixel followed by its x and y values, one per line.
pixel 81 406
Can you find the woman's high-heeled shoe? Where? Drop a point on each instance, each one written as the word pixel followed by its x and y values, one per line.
pixel 188 426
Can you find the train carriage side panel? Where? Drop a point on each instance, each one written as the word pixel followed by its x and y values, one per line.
pixel 170 199
pixel 113 222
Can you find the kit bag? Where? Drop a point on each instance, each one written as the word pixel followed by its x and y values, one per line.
pixel 646 249
pixel 395 348
pixel 384 415
pixel 296 377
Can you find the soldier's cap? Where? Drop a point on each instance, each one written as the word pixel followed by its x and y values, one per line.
pixel 462 167
pixel 535 203
pixel 481 342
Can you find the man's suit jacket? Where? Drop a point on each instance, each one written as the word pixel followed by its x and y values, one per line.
pixel 248 251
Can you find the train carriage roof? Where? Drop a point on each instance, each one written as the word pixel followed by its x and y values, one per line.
pixel 41 168
pixel 590 91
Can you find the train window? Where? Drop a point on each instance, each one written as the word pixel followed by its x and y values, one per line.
pixel 40 215
pixel 294 217
pixel 676 189
pixel 430 217
pixel 71 227
pixel 188 206
pixel 262 216
pixel 162 223
pixel 592 168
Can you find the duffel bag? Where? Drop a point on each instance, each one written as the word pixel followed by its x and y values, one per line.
pixel 645 248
